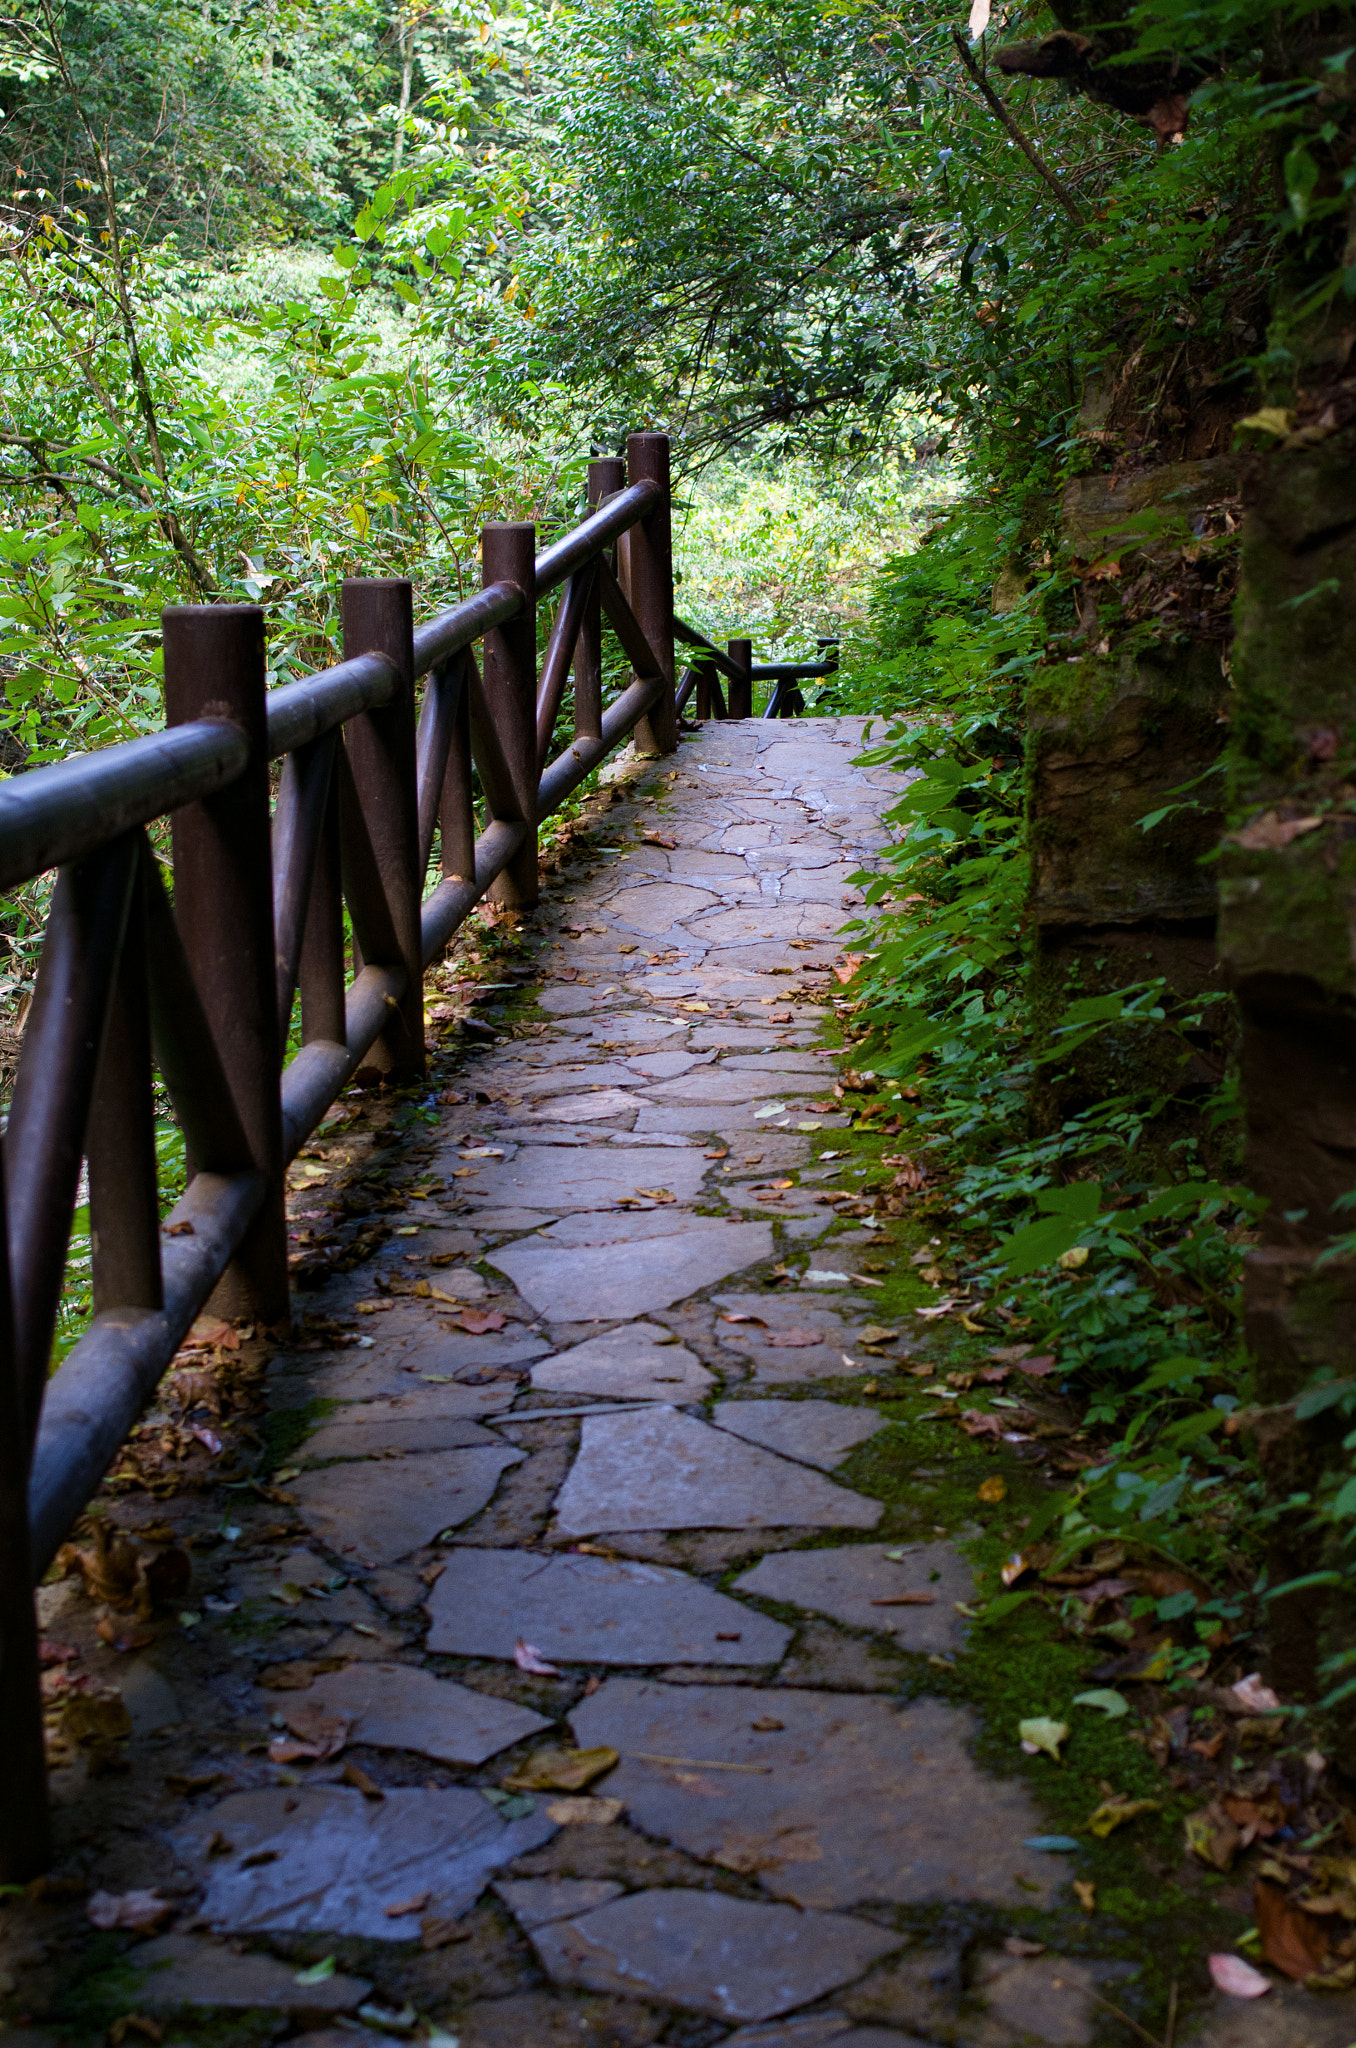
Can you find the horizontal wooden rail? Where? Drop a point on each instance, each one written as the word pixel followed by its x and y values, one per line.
pixel 53 816
pixel 306 710
pixel 614 517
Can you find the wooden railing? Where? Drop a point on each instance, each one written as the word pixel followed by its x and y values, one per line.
pixel 707 665
pixel 200 980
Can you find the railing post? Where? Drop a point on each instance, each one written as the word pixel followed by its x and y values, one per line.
pixel 456 807
pixel 320 974
pixel 646 556
pixel 378 618
pixel 605 477
pixel 223 907
pixel 124 1207
pixel 508 553
pixel 25 1834
pixel 741 692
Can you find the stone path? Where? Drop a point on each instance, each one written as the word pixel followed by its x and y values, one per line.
pixel 564 1463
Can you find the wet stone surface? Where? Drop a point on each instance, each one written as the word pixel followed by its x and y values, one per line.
pixel 584 1610
pixel 788 1810
pixel 848 1799
pixel 663 1470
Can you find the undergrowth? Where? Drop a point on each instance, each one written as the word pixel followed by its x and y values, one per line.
pixel 1103 1243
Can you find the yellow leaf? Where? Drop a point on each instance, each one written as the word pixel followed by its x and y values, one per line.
pixel 1115 1812
pixel 1272 419
pixel 993 1490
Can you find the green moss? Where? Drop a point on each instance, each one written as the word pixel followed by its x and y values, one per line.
pixel 284 1430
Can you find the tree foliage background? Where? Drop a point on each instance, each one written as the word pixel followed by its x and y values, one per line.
pixel 304 290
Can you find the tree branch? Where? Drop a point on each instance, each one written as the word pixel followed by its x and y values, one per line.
pixel 1004 115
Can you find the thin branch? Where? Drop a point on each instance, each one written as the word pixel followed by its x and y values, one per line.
pixel 1004 114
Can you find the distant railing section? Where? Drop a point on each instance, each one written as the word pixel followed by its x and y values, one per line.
pixel 200 982
pixel 702 677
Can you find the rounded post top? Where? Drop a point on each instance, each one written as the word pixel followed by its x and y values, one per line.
pixel 223 612
pixel 509 526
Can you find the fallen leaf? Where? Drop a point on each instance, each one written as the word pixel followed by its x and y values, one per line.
pixel 1253 1696
pixel 1168 118
pixel 319 1973
pixel 739 1316
pixel 793 1339
pixel 1115 1812
pixel 584 1812
pixel 1271 832
pixel 1112 1703
pixel 319 1735
pixel 767 1724
pixel 404 1906
pixel 1239 1979
pixel 657 1194
pixel 845 968
pixel 354 1774
pixel 562 1770
pixel 991 1491
pixel 1015 1568
pixel 438 1933
pixel 1041 1733
pixel 1292 1940
pixel 1037 1368
pixel 1015 1945
pixel 136 1911
pixel 528 1659
pixel 1086 1894
pixel 905 1600
pixel 477 1322
pixel 876 1333
pixel 976 1423
pixel 1212 1837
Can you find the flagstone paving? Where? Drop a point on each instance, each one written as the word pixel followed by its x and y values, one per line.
pixel 546 1465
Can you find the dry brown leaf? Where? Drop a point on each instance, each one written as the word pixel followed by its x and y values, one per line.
pixel 583 1812
pixel 1271 832
pixel 1292 1940
pixel 138 1912
pixel 562 1770
pixel 794 1339
pixel 975 1422
pixel 354 1774
pixel 479 1322
pixel 1086 1894
pixel 1212 1837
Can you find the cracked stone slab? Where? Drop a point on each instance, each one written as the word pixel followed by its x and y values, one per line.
pixel 398 1706
pixel 821 1433
pixel 592 1610
pixel 413 1426
pixel 654 908
pixel 383 1511
pixel 600 1107
pixel 381 1378
pixel 854 1799
pixel 639 1362
pixel 658 1469
pixel 735 1958
pixel 607 1283
pixel 596 1177
pixel 535 1901
pixel 627 1226
pixel 184 1969
pixel 723 1086
pixel 324 1859
pixel 845 1584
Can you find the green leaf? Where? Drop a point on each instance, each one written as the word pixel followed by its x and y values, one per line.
pixel 1039 1244
pixel 1112 1703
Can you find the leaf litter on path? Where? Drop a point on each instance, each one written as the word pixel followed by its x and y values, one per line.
pixel 1040 1734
